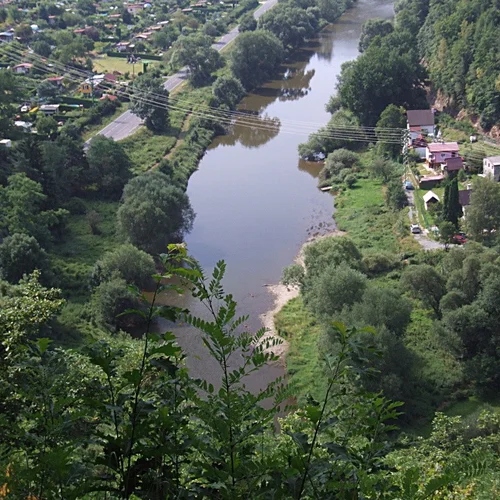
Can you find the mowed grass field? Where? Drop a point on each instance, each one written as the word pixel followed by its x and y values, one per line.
pixel 108 64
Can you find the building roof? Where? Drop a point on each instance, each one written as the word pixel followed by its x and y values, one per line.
pixel 464 197
pixel 431 178
pixel 24 65
pixel 49 107
pixel 109 97
pixel 443 147
pixel 452 164
pixel 493 159
pixel 55 79
pixel 109 77
pixel 417 117
pixel 430 195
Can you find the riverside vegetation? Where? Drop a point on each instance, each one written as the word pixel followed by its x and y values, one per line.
pixel 87 411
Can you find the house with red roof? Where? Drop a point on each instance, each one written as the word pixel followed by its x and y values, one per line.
pixel 451 166
pixel 438 152
pixel 23 68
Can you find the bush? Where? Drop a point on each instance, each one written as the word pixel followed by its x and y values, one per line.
pixel 76 206
pixel 126 262
pixel 110 299
pixel 381 262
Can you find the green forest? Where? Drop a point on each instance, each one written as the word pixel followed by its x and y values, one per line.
pixel 392 369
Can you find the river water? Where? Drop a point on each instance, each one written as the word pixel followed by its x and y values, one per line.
pixel 255 201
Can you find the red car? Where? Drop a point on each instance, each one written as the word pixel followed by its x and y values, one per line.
pixel 459 239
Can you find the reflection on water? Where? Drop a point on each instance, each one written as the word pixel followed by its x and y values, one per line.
pixel 256 202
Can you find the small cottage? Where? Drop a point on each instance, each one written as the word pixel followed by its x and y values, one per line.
pixel 49 109
pixel 451 166
pixel 464 199
pixel 23 68
pixel 491 167
pixel 135 8
pixel 430 198
pixel 438 152
pixel 420 122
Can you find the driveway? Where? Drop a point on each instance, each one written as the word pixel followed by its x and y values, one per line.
pixel 423 239
pixel 127 123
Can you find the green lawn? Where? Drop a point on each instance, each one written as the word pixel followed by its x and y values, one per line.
pixel 146 149
pixel 299 328
pixel 106 64
pixel 361 212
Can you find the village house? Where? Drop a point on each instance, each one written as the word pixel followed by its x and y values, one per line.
pixel 420 122
pixel 56 80
pixel 135 8
pixel 52 20
pixel 122 46
pixel 430 198
pixel 430 181
pixel 464 199
pixel 6 36
pixel 23 68
pixel 451 166
pixel 491 167
pixel 419 145
pixel 438 152
pixel 49 109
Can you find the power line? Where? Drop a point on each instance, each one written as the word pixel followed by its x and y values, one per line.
pixel 242 119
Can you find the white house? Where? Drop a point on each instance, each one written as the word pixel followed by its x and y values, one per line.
pixel 49 109
pixel 438 152
pixel 22 69
pixel 491 167
pixel 430 198
pixel 7 143
pixel 420 122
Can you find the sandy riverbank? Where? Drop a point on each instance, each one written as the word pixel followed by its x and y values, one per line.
pixel 282 294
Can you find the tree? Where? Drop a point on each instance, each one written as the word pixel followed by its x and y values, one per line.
pixel 146 89
pixel 110 299
pixel 24 32
pixel 395 196
pixel 153 212
pixel 47 90
pixel 371 29
pixel 195 51
pixel 255 57
pixel 247 23
pixel 127 17
pixel 452 210
pixel 335 288
pixel 10 93
pixel 20 254
pixel 228 91
pixel 446 232
pixel 382 169
pixel 290 24
pixel 379 77
pixel 46 125
pixel 42 48
pixel 109 165
pixel 483 213
pixel 21 201
pixel 127 262
pixel 382 307
pixel 392 118
pixel 425 283
pixel 331 251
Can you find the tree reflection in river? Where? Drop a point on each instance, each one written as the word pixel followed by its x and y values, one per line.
pixel 252 131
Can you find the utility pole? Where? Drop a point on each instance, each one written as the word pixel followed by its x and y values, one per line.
pixel 405 139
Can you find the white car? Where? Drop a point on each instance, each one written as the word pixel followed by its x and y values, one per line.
pixel 415 229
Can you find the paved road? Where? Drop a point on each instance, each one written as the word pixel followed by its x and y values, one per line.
pixel 127 123
pixel 423 239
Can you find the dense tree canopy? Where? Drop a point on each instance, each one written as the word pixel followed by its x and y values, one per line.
pixel 153 212
pixel 147 89
pixel 373 28
pixel 195 51
pixel 255 57
pixel 109 166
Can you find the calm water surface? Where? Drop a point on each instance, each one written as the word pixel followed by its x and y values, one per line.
pixel 255 201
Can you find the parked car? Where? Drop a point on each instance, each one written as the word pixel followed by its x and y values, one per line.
pixel 415 229
pixel 409 186
pixel 459 239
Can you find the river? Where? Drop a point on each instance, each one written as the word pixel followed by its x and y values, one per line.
pixel 256 203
